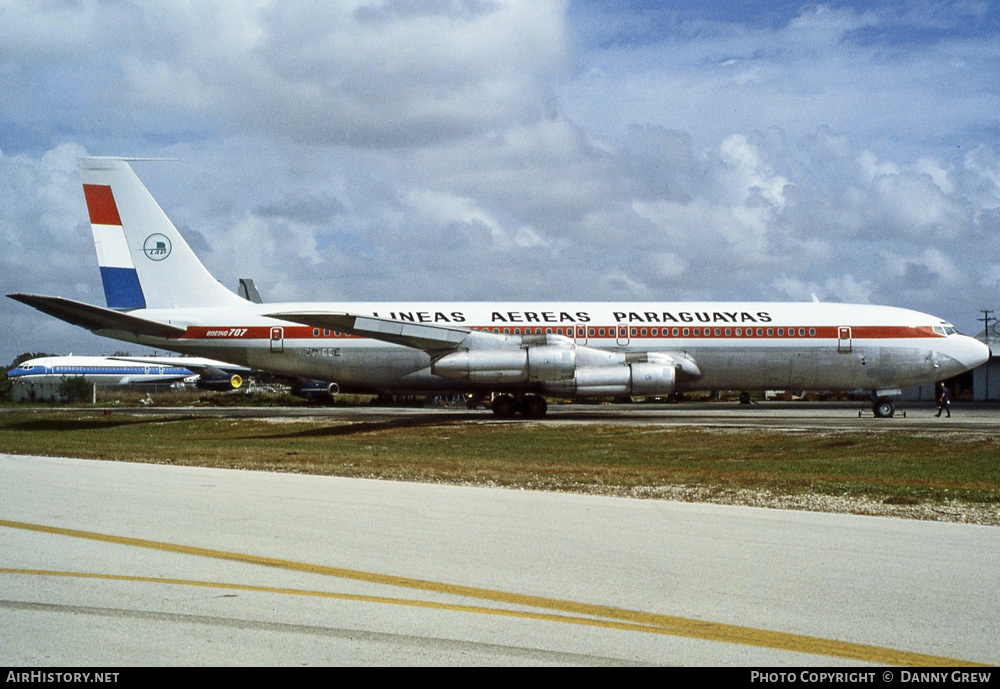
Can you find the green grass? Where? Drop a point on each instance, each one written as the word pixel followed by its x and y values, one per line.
pixel 894 468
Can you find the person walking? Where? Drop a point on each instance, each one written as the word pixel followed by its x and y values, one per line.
pixel 942 400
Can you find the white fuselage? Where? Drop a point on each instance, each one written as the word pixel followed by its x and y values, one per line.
pixel 745 346
pixel 97 370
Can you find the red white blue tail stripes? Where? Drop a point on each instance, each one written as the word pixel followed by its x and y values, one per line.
pixel 145 263
pixel 121 282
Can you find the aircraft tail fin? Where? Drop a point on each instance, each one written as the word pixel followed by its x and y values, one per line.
pixel 144 261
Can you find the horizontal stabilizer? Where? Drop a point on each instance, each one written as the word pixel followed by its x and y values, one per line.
pixel 95 317
pixel 416 335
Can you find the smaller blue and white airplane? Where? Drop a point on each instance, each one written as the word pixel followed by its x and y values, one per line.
pixel 121 370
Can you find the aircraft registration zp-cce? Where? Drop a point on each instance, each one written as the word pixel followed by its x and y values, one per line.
pixel 159 294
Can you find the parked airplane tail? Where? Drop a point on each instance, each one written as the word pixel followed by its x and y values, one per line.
pixel 144 261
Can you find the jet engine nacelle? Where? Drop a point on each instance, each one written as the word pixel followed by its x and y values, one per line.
pixel 644 379
pixel 540 363
pixel 565 369
pixel 316 390
pixel 221 382
pixel 653 380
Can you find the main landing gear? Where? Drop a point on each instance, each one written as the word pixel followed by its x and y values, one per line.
pixel 532 406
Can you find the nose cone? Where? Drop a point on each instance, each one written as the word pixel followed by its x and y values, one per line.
pixel 958 354
pixel 970 352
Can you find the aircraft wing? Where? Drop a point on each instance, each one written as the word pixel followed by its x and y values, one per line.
pixel 193 364
pixel 212 374
pixel 417 335
pixel 439 338
pixel 95 317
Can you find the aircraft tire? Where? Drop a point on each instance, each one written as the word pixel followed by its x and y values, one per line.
pixel 504 406
pixel 534 406
pixel 883 408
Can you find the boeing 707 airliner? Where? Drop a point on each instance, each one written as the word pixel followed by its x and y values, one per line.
pixel 159 294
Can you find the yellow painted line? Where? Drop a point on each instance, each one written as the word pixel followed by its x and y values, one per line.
pixel 642 621
pixel 588 621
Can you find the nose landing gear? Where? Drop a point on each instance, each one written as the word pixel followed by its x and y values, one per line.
pixel 883 408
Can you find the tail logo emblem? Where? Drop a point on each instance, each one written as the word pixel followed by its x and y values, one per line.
pixel 156 247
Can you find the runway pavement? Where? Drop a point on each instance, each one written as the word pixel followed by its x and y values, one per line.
pixel 910 416
pixel 116 564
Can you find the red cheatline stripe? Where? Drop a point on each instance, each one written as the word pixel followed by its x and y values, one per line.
pixel 861 332
pixel 101 205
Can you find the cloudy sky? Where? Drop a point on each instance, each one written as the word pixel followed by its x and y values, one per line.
pixel 495 149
